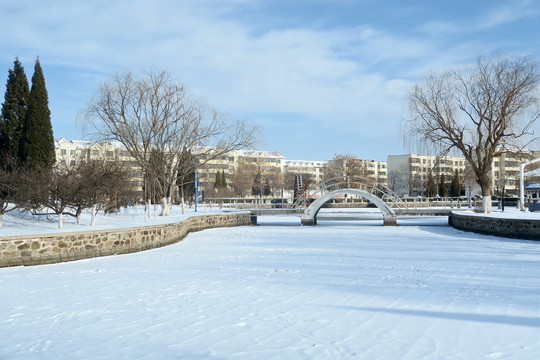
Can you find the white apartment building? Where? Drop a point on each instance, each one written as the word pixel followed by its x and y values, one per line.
pixel 408 173
pixel 505 171
pixel 69 153
pixel 313 169
pixel 380 170
pixel 405 174
pixel 229 162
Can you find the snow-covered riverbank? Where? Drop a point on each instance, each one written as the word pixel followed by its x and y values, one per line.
pixel 335 291
pixel 22 223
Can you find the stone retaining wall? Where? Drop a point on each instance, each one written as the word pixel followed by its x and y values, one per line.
pixel 53 248
pixel 514 228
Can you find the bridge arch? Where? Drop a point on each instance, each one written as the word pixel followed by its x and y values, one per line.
pixel 310 214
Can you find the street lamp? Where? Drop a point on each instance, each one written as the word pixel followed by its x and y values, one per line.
pixel 522 182
pixel 196 186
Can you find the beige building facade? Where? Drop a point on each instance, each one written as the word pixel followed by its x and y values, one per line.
pixel 315 170
pixel 408 173
pixel 70 153
pixel 505 171
pixel 405 174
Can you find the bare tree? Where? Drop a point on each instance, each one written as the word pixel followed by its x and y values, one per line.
pixel 271 179
pixel 10 186
pixel 243 176
pixel 343 166
pixel 100 185
pixel 478 111
pixel 154 119
pixel 396 180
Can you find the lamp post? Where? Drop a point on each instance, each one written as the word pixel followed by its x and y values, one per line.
pixel 502 201
pixel 522 182
pixel 196 186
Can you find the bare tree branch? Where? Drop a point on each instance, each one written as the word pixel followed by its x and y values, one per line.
pixel 156 121
pixel 477 111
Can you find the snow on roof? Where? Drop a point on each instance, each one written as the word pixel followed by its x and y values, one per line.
pixel 305 163
pixel 85 144
pixel 260 153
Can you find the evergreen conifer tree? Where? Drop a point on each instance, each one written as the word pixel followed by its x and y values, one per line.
pixel 37 141
pixel 431 187
pixel 14 111
pixel 455 186
pixel 217 181
pixel 223 179
pixel 267 187
pixel 257 184
pixel 442 186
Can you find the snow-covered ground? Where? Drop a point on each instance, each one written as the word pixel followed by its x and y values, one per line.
pixel 23 223
pixel 508 213
pixel 339 290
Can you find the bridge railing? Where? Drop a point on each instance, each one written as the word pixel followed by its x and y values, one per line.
pixel 364 184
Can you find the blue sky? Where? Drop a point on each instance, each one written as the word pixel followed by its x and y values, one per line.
pixel 318 77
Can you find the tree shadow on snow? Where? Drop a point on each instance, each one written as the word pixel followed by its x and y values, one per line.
pixel 484 318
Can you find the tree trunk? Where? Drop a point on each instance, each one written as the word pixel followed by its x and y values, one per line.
pixel 60 219
pixel 165 206
pixel 485 185
pixel 182 199
pixel 1 216
pixel 93 216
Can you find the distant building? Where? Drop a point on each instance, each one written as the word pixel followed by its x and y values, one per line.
pixel 408 173
pixel 70 153
pixel 505 171
pixel 405 174
pixel 229 163
pixel 313 169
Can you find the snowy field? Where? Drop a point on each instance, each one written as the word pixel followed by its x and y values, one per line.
pixel 340 290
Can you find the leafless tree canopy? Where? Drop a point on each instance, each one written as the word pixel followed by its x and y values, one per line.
pixel 343 166
pixel 153 117
pixel 11 178
pixel 477 111
pixel 250 176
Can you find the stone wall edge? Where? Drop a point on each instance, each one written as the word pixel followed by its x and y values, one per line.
pixel 61 247
pixel 526 229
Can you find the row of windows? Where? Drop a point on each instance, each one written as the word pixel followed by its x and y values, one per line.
pixel 437 169
pixel 437 161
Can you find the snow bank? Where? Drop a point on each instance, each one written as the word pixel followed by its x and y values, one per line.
pixel 21 223
pixel 282 291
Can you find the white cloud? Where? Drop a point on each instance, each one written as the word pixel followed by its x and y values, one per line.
pixel 493 16
pixel 353 75
pixel 509 12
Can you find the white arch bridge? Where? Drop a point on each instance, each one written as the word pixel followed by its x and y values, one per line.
pixel 381 196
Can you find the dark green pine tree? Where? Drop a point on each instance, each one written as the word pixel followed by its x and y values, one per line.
pixel 220 182
pixel 37 141
pixel 431 187
pixel 14 111
pixel 257 182
pixel 267 187
pixel 455 186
pixel 223 179
pixel 442 186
